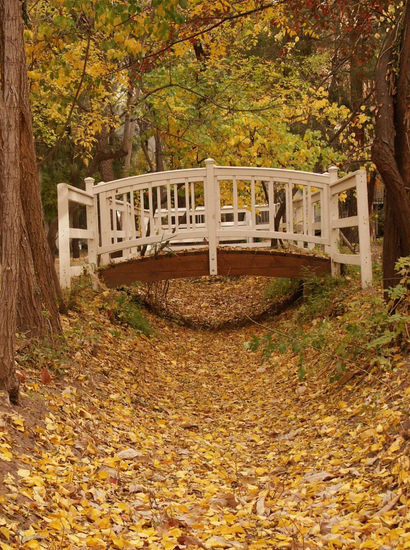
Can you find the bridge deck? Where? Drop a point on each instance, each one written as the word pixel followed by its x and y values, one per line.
pixel 195 263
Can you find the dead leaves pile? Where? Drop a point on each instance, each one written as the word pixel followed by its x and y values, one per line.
pixel 211 302
pixel 185 441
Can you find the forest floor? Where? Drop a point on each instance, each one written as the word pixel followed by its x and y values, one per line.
pixel 186 440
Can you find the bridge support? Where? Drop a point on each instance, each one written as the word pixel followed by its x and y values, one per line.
pixel 211 196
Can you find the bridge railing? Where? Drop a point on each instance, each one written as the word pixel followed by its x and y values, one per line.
pixel 356 182
pixel 66 195
pixel 214 206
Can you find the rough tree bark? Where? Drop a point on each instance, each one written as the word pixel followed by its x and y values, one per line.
pixel 29 290
pixel 10 225
pixel 391 149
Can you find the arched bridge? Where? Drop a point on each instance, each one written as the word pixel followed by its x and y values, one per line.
pixel 215 220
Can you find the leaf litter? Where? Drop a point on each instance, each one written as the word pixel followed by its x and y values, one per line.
pixel 182 440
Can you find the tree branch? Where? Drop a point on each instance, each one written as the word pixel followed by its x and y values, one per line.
pixel 74 103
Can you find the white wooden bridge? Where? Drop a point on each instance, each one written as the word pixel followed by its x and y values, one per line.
pixel 211 208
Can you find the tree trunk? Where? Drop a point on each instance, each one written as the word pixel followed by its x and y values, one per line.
pixel 29 290
pixel 10 208
pixel 46 282
pixel 52 236
pixel 391 152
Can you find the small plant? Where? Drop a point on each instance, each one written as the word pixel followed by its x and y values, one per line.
pixel 280 288
pixel 323 296
pixel 122 309
pixel 128 313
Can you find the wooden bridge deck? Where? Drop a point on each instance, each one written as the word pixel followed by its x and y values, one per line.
pixel 195 263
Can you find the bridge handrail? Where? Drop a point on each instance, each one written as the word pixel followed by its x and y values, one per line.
pixel 152 178
pixel 280 175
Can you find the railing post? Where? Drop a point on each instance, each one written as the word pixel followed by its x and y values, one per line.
pixel 211 211
pixel 333 216
pixel 92 223
pixel 105 225
pixel 63 235
pixel 364 229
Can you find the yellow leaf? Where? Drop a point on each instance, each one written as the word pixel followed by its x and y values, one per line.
pixel 395 446
pixel 5 532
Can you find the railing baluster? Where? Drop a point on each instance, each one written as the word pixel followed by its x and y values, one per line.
pixel 187 205
pixel 169 205
pixel 304 212
pixel 151 211
pixel 235 201
pixel 159 209
pixel 193 204
pixel 253 204
pixel 176 207
pixel 143 229
pixel 289 207
pixel 271 201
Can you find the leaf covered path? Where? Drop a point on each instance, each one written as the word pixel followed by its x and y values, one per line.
pixel 185 440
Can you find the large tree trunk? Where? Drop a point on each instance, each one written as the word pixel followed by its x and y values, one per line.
pixel 391 149
pixel 29 289
pixel 10 209
pixel 46 282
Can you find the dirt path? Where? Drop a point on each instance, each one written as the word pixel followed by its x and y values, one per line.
pixel 186 441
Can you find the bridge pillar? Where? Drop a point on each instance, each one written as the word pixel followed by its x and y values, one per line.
pixel 364 229
pixel 63 235
pixel 333 216
pixel 92 223
pixel 211 211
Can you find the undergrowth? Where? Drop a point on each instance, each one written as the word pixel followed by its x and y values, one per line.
pixel 119 307
pixel 350 330
pixel 281 287
pixel 127 312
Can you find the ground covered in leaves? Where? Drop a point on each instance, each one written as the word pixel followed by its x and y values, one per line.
pixel 185 440
pixel 213 302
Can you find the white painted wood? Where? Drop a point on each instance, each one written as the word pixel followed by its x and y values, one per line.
pixel 331 217
pixel 92 224
pixel 235 201
pixel 105 225
pixel 143 227
pixel 187 204
pixel 85 234
pixel 79 196
pixel 228 233
pixel 211 214
pixel 253 204
pixel 176 208
pixel 350 259
pixel 351 221
pixel 193 220
pixel 63 235
pixel 364 229
pixel 344 184
pixel 123 220
pixel 169 206
pixel 271 201
pixel 76 270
